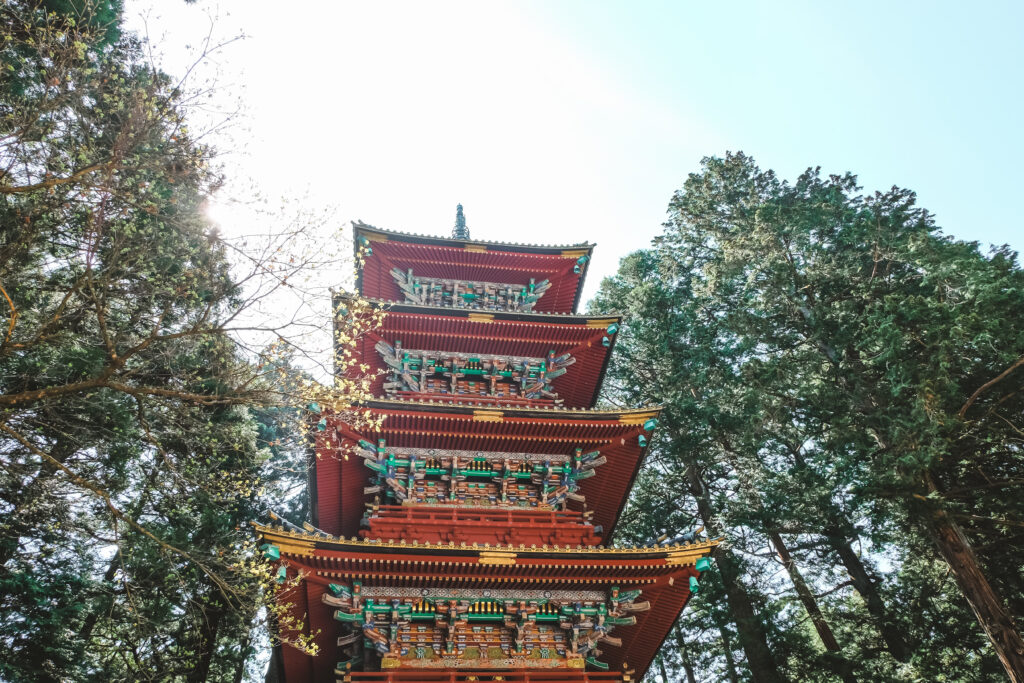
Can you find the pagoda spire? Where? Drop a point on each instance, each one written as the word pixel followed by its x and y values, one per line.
pixel 460 231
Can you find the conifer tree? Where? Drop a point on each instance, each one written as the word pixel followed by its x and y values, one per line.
pixel 143 421
pixel 850 379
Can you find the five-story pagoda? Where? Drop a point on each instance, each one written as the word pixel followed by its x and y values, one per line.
pixel 463 537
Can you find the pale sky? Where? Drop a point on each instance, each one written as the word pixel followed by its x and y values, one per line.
pixel 564 122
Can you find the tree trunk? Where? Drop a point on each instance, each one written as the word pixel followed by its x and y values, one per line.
pixel 273 674
pixel 211 617
pixel 865 586
pixel 839 541
pixel 684 651
pixel 662 669
pixel 987 607
pixel 240 666
pixel 753 638
pixel 749 628
pixel 730 663
pixel 807 599
pixel 841 666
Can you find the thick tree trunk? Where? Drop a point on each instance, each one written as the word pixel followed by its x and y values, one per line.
pixel 840 665
pixel 749 628
pixel 987 607
pixel 211 618
pixel 862 581
pixel 240 666
pixel 865 586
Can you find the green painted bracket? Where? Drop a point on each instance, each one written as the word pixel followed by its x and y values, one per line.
pixel 271 552
pixel 620 621
pixel 703 564
pixel 694 585
pixel 339 590
pixel 348 616
pixel 344 664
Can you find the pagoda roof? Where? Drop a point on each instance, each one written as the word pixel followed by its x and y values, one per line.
pixel 586 561
pixel 473 260
pixel 368 230
pixel 426 328
pixel 662 573
pixel 338 482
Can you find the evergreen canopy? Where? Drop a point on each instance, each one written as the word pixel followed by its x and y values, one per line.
pixel 843 386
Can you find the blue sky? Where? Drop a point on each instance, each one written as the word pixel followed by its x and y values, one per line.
pixel 924 95
pixel 575 121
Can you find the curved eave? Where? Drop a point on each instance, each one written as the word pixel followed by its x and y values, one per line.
pixel 309 545
pixel 374 233
pixel 635 416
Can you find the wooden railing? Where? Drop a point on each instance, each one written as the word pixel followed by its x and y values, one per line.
pixel 403 513
pixel 482 398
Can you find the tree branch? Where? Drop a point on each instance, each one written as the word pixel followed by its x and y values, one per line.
pixel 988 384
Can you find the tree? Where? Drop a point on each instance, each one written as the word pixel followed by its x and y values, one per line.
pixel 848 375
pixel 144 420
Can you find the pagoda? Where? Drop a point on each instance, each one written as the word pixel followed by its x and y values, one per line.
pixel 465 536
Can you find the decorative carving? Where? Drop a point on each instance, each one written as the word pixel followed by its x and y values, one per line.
pixel 442 372
pixel 439 477
pixel 494 628
pixel 475 295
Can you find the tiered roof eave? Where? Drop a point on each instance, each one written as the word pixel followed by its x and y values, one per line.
pixel 630 416
pixel 307 544
pixel 365 229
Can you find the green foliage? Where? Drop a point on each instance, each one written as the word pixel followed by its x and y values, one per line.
pixel 816 351
pixel 135 439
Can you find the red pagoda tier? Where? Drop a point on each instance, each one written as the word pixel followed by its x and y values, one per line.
pixel 461 273
pixel 433 460
pixel 411 608
pixel 464 536
pixel 466 355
